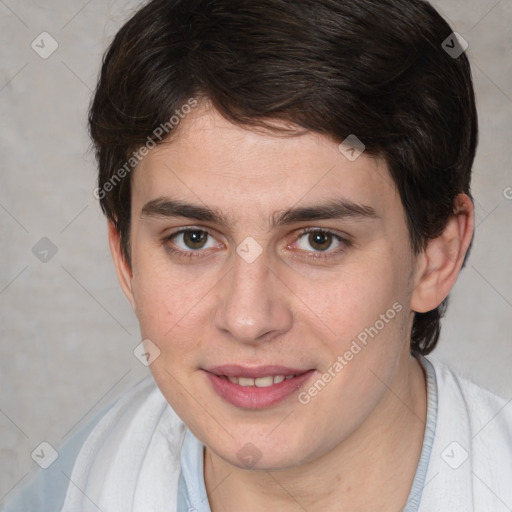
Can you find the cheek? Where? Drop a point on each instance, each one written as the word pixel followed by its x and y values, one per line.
pixel 167 307
pixel 167 300
pixel 367 319
pixel 355 297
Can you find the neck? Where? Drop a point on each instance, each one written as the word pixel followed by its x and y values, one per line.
pixel 372 469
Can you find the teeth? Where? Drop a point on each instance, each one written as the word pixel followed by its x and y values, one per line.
pixel 260 382
pixel 264 382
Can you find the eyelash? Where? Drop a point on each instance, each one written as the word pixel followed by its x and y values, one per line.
pixel 189 255
pixel 328 253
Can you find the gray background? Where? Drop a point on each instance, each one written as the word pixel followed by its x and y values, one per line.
pixel 67 332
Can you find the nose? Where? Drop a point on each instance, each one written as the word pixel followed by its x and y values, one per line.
pixel 252 306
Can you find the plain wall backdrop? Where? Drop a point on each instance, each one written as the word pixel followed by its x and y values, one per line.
pixel 67 332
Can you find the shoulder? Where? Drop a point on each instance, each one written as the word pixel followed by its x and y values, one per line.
pixel 470 465
pixel 457 391
pixel 47 490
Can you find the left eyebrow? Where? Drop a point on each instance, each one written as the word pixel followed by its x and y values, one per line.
pixel 334 209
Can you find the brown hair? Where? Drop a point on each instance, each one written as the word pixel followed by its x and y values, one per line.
pixel 373 68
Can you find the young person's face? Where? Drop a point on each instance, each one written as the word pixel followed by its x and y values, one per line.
pixel 214 305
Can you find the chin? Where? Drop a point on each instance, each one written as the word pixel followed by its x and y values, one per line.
pixel 258 453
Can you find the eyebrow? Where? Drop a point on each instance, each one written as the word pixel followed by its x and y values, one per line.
pixel 333 209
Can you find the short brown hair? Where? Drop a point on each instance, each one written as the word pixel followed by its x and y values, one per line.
pixel 373 68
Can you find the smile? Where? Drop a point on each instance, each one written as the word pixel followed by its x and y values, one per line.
pixel 260 382
pixel 256 388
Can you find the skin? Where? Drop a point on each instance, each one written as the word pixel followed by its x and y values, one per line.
pixel 356 445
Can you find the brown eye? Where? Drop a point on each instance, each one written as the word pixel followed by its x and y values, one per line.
pixel 191 240
pixel 195 239
pixel 320 243
pixel 320 240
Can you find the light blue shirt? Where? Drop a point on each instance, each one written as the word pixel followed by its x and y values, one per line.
pixel 192 495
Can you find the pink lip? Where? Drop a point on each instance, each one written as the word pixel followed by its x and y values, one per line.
pixel 251 397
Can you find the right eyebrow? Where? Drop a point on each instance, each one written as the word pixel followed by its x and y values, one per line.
pixel 165 207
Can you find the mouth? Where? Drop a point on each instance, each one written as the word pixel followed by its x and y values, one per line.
pixel 259 382
pixel 256 387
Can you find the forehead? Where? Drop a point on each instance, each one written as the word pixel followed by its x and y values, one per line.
pixel 239 170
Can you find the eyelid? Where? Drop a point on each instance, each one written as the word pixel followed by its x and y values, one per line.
pixel 338 234
pixel 344 239
pixel 187 229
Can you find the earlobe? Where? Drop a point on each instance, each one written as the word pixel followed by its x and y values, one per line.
pixel 439 265
pixel 123 269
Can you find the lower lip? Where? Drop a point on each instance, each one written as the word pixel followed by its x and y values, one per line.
pixel 252 397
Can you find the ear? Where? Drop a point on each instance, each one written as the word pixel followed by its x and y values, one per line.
pixel 438 266
pixel 123 269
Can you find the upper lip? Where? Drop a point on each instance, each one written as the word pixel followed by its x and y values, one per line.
pixel 234 370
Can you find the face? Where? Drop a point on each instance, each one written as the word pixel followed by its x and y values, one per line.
pixel 273 274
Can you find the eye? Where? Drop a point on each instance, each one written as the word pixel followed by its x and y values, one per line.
pixel 321 241
pixel 190 240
